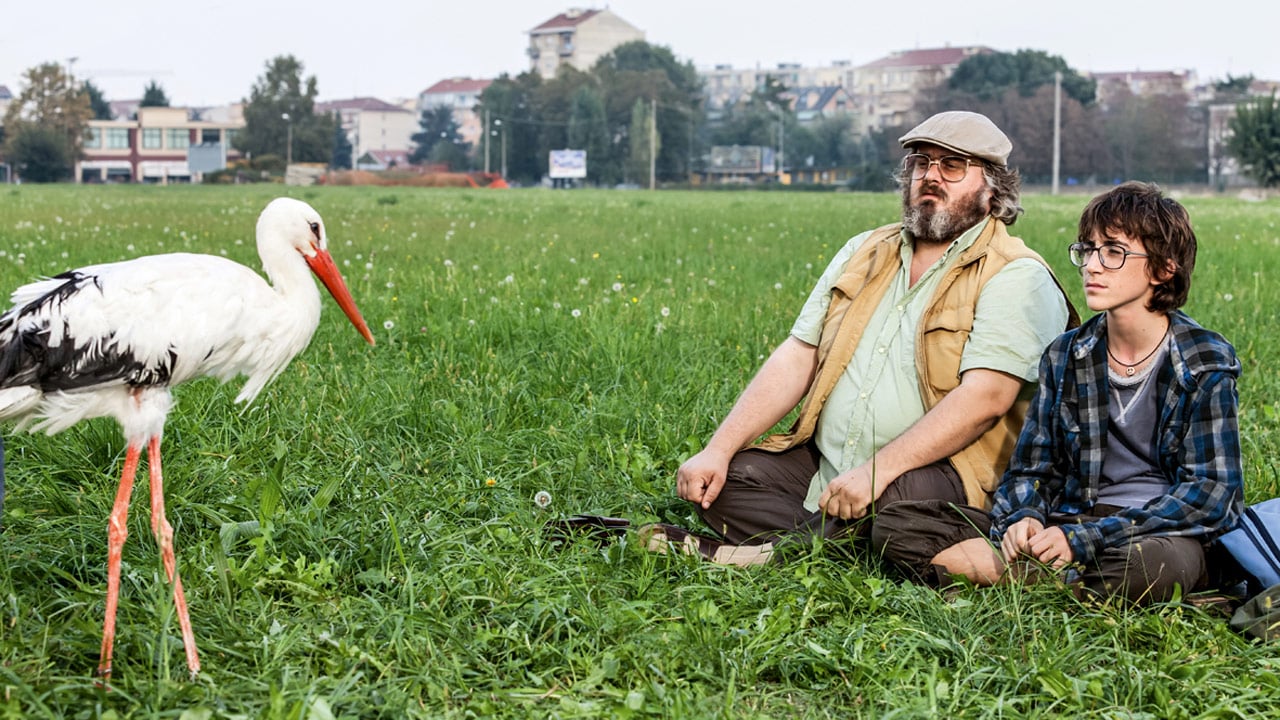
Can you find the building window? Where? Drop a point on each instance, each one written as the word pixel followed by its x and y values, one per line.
pixel 179 138
pixel 93 138
pixel 229 137
pixel 118 138
pixel 210 136
pixel 151 138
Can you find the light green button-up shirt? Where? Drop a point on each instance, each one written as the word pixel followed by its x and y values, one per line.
pixel 1020 310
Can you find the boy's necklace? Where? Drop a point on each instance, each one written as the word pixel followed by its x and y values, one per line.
pixel 1130 369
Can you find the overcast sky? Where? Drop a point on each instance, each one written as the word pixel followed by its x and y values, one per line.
pixel 210 53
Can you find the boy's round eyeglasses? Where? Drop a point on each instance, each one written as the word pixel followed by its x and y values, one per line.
pixel 1110 255
pixel 952 168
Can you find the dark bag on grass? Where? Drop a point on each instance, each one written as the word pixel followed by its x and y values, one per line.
pixel 1255 544
pixel 1260 616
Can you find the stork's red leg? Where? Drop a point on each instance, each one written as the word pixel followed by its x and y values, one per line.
pixel 117 531
pixel 164 536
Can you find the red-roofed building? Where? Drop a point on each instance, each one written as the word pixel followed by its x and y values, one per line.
pixel 373 124
pixel 886 89
pixel 461 95
pixel 579 38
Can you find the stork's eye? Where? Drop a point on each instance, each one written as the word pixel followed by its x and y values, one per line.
pixel 315 229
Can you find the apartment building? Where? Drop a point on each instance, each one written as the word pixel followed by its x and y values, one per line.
pixel 886 89
pixel 578 38
pixel 155 147
pixel 882 93
pixel 461 95
pixel 725 86
pixel 372 124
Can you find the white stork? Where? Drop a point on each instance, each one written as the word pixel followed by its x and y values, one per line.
pixel 111 340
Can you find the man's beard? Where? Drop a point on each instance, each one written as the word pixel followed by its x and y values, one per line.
pixel 930 224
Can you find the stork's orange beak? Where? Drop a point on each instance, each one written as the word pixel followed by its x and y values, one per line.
pixel 322 265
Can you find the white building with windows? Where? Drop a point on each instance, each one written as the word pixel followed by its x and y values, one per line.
pixel 578 38
pixel 460 95
pixel 152 148
pixel 372 124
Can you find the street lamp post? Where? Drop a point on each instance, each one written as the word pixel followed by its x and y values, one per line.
pixel 288 133
pixel 503 130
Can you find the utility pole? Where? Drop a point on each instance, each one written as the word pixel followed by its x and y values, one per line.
pixel 288 133
pixel 1057 128
pixel 486 140
pixel 653 144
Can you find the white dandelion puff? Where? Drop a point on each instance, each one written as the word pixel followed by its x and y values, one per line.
pixel 542 499
pixel 388 324
pixel 576 312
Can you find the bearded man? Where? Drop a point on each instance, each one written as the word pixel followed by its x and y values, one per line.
pixel 915 356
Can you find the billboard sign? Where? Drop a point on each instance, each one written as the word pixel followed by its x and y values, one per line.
pixel 741 159
pixel 568 164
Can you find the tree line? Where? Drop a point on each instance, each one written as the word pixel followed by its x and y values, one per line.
pixel 639 107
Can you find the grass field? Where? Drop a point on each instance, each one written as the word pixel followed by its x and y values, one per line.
pixel 364 541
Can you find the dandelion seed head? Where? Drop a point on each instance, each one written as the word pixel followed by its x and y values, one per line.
pixel 542 499
pixel 576 312
pixel 388 324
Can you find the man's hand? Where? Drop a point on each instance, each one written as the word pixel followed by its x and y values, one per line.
pixel 701 477
pixel 1017 538
pixel 851 493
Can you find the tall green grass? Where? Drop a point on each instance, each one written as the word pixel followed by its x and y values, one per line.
pixel 363 541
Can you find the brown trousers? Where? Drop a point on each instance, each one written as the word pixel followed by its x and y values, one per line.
pixel 909 535
pixel 763 497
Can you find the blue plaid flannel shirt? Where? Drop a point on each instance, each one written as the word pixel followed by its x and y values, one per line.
pixel 1057 462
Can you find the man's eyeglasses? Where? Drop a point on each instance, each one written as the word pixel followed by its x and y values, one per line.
pixel 1111 256
pixel 952 168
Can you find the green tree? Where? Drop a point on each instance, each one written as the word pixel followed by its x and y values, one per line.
pixel 153 96
pixel 552 102
pixel 989 75
pixel 41 155
pixel 1154 137
pixel 342 149
pixel 280 107
pixel 437 126
pixel 101 108
pixel 827 143
pixel 1255 139
pixel 646 142
pixel 640 71
pixel 589 130
pixel 511 100
pixel 1233 88
pixel 45 124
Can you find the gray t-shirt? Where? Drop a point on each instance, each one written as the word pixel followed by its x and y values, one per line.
pixel 1130 475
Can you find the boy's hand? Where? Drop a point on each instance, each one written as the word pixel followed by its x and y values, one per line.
pixel 1017 538
pixel 1050 547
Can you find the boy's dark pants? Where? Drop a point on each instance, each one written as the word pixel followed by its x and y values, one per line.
pixel 910 534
